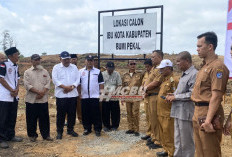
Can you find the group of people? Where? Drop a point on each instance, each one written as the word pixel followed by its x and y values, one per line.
pixel 185 115
pixel 181 113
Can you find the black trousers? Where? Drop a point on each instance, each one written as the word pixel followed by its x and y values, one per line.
pixel 66 106
pixel 111 114
pixel 37 112
pixel 91 114
pixel 8 115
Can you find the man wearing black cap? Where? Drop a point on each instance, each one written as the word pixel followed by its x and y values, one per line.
pixel 37 84
pixel 73 59
pixel 111 109
pixel 9 88
pixel 91 83
pixel 66 78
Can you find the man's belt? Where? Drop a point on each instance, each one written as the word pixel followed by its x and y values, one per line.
pixel 201 103
pixel 151 94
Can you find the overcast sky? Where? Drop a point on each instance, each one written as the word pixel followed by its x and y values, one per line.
pixel 53 26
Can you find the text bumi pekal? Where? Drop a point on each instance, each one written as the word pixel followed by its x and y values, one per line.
pixel 128 46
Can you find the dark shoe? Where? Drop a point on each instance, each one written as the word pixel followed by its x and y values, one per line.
pixel 17 139
pixel 86 132
pixel 149 142
pixel 32 139
pixel 162 154
pixel 154 146
pixel 106 129
pixel 48 138
pixel 136 133
pixel 4 145
pixel 73 133
pixel 129 132
pixel 145 137
pixel 59 136
pixel 114 129
pixel 149 139
pixel 97 133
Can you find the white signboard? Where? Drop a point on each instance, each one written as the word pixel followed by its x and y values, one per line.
pixel 129 34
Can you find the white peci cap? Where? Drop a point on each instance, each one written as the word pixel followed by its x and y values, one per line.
pixel 165 63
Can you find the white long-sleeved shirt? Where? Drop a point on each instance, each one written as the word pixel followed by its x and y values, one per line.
pixel 67 76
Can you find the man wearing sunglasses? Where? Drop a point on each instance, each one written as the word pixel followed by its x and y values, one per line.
pixel 132 79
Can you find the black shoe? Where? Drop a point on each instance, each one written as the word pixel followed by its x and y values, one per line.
pixel 136 133
pixel 149 139
pixel 129 132
pixel 73 133
pixel 162 154
pixel 32 139
pixel 114 129
pixel 106 129
pixel 97 133
pixel 4 145
pixel 154 146
pixel 149 142
pixel 48 139
pixel 145 137
pixel 86 132
pixel 59 136
pixel 17 139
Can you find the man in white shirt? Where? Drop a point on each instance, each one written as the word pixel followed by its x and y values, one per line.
pixel 66 78
pixel 91 83
pixel 9 88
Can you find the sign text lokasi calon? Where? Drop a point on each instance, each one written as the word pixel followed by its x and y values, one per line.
pixel 128 22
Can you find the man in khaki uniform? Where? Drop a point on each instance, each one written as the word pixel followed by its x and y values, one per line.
pixel 132 79
pixel 148 66
pixel 74 60
pixel 102 69
pixel 207 94
pixel 152 89
pixel 166 123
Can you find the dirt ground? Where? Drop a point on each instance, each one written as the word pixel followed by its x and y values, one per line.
pixel 68 146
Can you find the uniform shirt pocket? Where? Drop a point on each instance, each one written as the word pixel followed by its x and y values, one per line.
pixel 94 77
pixel 205 81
